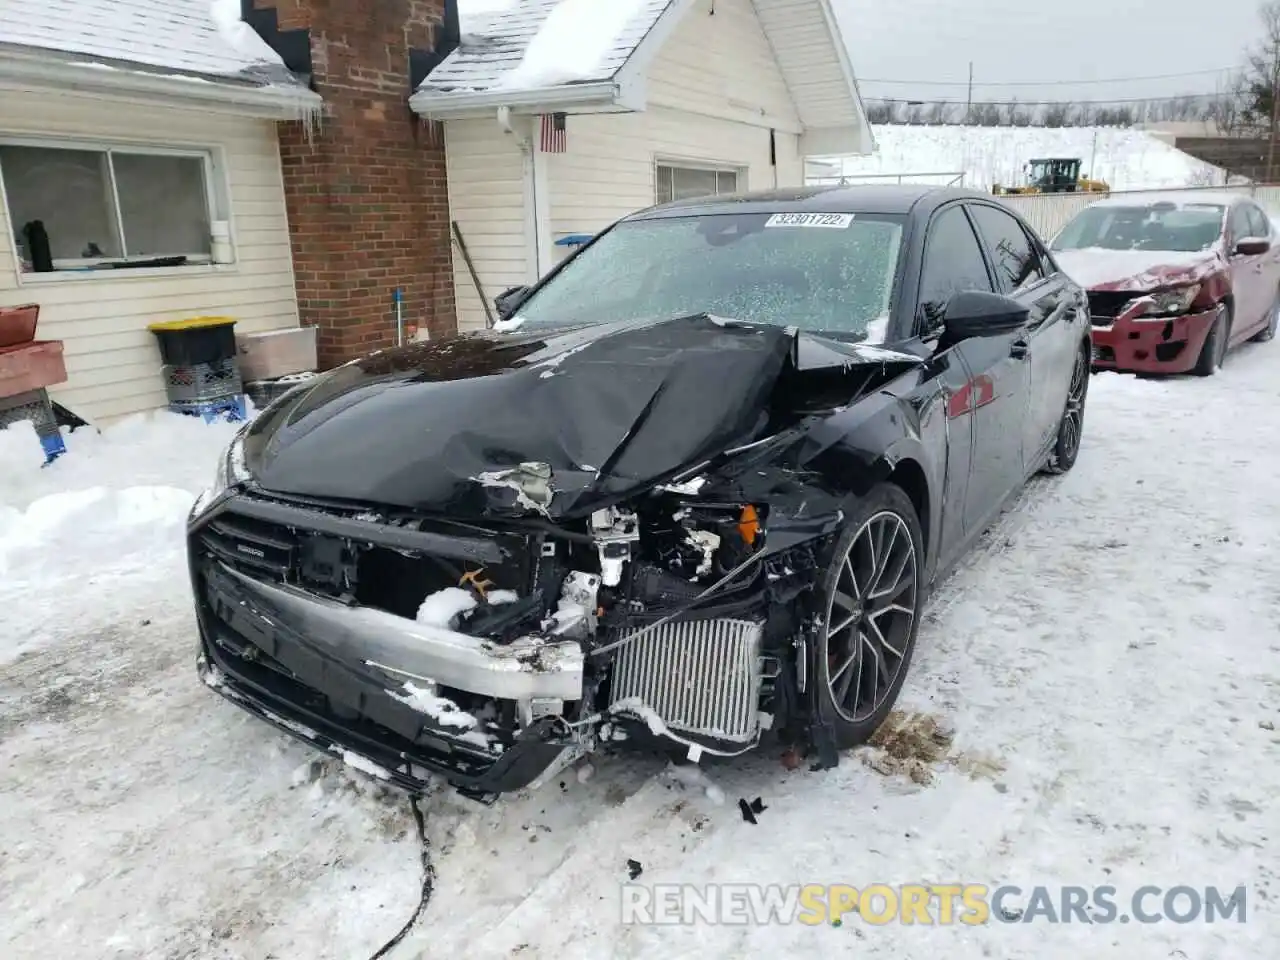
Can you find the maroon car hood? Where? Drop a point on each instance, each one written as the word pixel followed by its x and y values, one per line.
pixel 1137 270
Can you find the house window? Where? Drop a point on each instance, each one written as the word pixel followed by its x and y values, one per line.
pixel 104 207
pixel 683 183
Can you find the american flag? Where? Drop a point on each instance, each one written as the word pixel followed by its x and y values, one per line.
pixel 554 138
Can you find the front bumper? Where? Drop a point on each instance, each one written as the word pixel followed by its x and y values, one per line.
pixel 1151 345
pixel 325 673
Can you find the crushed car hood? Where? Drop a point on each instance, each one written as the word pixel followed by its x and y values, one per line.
pixel 554 424
pixel 1139 270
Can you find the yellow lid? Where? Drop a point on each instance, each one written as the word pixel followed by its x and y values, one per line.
pixel 193 323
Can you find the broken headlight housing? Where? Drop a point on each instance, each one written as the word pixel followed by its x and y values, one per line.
pixel 1169 302
pixel 229 472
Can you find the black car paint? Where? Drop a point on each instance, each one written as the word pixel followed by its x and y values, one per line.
pixel 960 430
pixel 961 461
pixel 611 409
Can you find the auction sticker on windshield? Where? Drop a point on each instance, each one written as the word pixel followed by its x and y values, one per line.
pixel 837 221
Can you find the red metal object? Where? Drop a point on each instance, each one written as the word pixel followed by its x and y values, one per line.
pixel 26 363
pixel 1155 345
pixel 18 324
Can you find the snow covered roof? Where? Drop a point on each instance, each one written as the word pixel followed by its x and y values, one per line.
pixel 176 42
pixel 558 54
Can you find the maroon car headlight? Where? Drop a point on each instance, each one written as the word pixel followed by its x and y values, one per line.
pixel 1169 302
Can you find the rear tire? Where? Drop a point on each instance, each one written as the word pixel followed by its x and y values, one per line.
pixel 1214 351
pixel 1071 430
pixel 871 594
pixel 1269 331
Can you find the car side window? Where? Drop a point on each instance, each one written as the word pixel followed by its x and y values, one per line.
pixel 1016 261
pixel 1259 225
pixel 953 263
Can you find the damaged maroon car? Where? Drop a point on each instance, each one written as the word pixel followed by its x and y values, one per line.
pixel 693 489
pixel 1174 280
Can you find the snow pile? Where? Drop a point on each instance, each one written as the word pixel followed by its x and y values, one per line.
pixel 115 505
pixel 238 35
pixel 441 709
pixel 442 608
pixel 573 42
pixel 1126 159
pixel 475 16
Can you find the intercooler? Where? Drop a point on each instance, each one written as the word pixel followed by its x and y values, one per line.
pixel 700 677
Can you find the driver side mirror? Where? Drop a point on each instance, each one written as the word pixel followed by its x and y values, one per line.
pixel 1252 246
pixel 976 313
pixel 509 300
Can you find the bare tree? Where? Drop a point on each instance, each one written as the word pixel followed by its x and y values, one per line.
pixel 985 115
pixel 1058 114
pixel 878 111
pixel 1226 110
pixel 1262 99
pixel 938 113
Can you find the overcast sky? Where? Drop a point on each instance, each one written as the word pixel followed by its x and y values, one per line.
pixel 1046 41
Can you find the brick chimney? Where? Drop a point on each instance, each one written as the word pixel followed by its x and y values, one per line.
pixel 365 187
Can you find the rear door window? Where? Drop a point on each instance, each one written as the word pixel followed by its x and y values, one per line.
pixel 1017 263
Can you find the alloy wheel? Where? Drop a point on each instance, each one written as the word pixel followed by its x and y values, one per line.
pixel 1073 421
pixel 870 614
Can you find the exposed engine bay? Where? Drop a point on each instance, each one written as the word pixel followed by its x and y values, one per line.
pixel 687 626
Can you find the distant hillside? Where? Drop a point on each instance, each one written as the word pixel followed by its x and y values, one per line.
pixel 1127 159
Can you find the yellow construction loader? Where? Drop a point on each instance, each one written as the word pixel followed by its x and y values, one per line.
pixel 1054 175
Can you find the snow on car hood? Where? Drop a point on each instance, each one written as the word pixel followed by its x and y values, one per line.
pixel 557 424
pixel 1095 268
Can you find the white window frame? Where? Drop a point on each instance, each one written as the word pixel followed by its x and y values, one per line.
pixel 711 166
pixel 217 203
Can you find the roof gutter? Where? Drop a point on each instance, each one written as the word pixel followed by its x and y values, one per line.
pixel 268 102
pixel 435 105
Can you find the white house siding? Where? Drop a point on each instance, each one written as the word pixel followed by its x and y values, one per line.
pixel 810 64
pixel 486 199
pixel 113 363
pixel 609 169
pixel 714 92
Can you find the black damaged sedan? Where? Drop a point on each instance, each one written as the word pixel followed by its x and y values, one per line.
pixel 694 486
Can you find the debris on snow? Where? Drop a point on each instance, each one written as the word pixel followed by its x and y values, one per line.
pixel 752 809
pixel 634 869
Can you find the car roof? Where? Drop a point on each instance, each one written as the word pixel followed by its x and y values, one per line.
pixel 853 198
pixel 1180 198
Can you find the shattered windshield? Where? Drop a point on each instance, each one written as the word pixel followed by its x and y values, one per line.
pixel 832 273
pixel 1184 229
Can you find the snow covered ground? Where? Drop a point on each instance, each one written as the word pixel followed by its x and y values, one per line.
pixel 1127 159
pixel 1108 662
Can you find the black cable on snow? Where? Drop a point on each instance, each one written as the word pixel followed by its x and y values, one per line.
pixel 428 880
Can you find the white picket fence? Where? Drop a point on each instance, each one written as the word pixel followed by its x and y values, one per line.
pixel 1049 212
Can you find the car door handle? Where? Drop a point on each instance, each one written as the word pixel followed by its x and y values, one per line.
pixel 1020 349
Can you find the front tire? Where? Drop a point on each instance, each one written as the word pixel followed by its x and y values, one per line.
pixel 871 594
pixel 1066 448
pixel 1214 351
